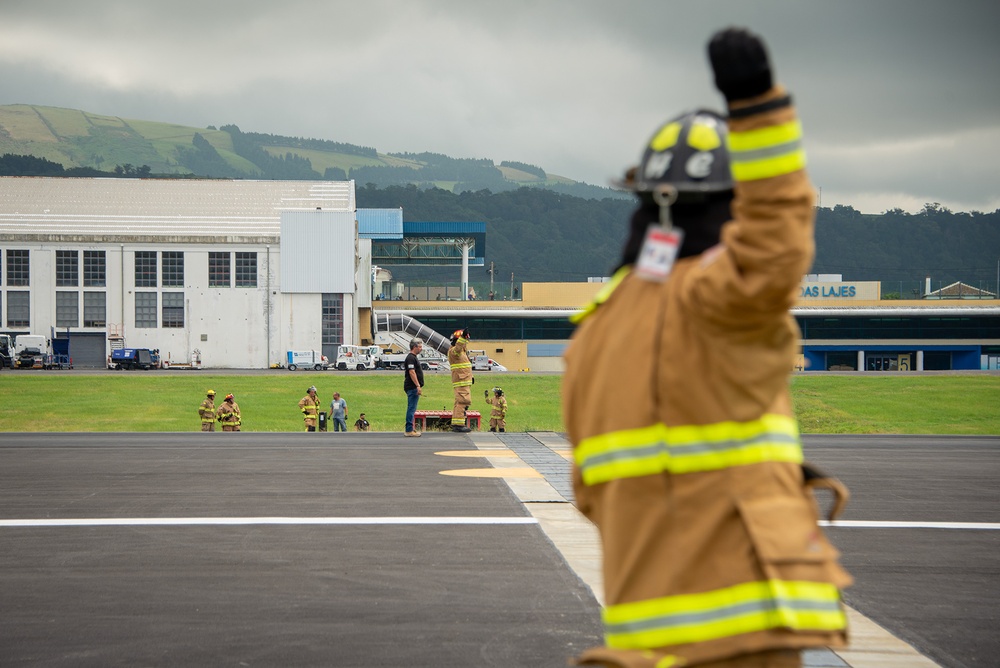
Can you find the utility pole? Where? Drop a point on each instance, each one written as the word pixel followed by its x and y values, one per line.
pixel 491 278
pixel 512 285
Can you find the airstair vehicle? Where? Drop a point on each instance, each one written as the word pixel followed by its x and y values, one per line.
pixel 396 329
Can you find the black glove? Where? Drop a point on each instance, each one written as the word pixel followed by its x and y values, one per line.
pixel 465 333
pixel 486 394
pixel 739 61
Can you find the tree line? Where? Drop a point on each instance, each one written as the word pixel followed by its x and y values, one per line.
pixel 542 234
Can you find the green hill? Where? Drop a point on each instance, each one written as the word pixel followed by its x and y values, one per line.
pixel 79 139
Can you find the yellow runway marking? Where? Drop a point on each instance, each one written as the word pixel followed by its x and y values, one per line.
pixel 476 453
pixel 494 473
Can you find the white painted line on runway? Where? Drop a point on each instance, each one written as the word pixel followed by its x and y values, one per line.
pixel 231 521
pixel 355 521
pixel 871 524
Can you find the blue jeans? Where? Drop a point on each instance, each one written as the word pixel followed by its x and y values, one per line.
pixel 339 424
pixel 412 397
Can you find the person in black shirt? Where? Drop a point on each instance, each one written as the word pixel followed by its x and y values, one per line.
pixel 413 381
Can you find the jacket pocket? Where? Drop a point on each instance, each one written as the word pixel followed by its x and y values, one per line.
pixel 788 542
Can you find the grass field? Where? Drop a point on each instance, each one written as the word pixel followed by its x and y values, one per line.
pixel 158 401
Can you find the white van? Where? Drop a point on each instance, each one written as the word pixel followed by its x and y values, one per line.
pixel 484 363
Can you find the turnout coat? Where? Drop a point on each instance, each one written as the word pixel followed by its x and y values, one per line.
pixel 688 458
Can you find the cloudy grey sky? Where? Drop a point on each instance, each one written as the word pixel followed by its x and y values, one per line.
pixel 900 99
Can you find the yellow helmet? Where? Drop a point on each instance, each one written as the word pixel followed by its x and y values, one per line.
pixel 211 393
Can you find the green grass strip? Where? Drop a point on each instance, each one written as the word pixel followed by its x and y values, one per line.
pixel 153 401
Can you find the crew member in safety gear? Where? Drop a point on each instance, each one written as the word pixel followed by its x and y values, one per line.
pixel 309 405
pixel 461 378
pixel 691 466
pixel 207 412
pixel 229 414
pixel 498 409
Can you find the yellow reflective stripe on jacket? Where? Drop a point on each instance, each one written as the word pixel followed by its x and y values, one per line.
pixel 743 608
pixel 601 296
pixel 658 448
pixel 461 365
pixel 767 152
pixel 461 383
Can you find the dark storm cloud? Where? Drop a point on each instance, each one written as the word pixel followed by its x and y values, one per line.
pixel 899 97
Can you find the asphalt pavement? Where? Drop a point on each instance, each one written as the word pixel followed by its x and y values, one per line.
pixel 449 550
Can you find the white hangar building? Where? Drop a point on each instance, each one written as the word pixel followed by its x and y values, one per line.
pixel 240 271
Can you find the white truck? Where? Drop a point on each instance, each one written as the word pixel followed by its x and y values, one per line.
pixel 306 359
pixel 357 358
pixel 6 351
pixel 388 359
pixel 484 363
pixel 32 351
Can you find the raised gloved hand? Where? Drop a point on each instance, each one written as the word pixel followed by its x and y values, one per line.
pixel 486 394
pixel 465 333
pixel 739 61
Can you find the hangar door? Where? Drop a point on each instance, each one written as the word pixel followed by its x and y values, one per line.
pixel 88 351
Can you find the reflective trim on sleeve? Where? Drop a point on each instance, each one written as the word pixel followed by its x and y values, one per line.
pixel 601 296
pixel 767 152
pixel 658 448
pixel 744 608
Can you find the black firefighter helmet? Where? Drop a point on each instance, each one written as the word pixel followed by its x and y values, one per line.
pixel 687 155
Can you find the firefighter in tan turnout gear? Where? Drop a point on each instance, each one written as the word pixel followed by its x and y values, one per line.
pixel 461 378
pixel 229 414
pixel 207 412
pixel 309 405
pixel 498 409
pixel 691 466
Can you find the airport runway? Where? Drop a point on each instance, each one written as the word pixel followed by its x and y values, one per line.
pixel 357 552
pixel 920 573
pixel 353 550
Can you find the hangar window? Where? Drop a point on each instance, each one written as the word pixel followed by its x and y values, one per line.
pixel 246 270
pixel 67 309
pixel 18 267
pixel 218 270
pixel 173 269
pixel 94 269
pixel 145 309
pixel 333 319
pixel 145 269
pixel 94 309
pixel 67 268
pixel 173 309
pixel 19 309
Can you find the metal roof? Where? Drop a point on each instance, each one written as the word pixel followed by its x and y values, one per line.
pixel 517 311
pixel 889 311
pixel 160 207
pixel 380 223
pixel 454 229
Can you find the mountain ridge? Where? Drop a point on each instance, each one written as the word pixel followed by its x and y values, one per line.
pixel 75 138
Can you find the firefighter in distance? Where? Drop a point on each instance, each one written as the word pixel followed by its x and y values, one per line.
pixel 498 409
